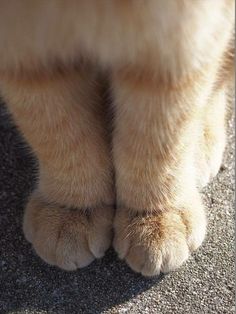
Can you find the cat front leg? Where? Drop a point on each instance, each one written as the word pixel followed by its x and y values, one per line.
pixel 68 218
pixel 160 217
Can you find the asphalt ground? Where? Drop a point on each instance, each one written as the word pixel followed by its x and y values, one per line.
pixel 204 284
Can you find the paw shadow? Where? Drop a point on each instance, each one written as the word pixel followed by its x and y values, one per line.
pixel 27 283
pixel 95 289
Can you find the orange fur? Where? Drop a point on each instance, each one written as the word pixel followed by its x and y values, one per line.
pixel 166 62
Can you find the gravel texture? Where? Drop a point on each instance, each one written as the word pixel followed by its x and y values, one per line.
pixel 204 284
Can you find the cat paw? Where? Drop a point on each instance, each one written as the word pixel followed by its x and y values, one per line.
pixel 154 243
pixel 67 238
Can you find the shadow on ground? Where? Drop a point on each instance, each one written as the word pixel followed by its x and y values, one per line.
pixel 27 283
pixel 205 284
